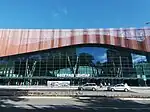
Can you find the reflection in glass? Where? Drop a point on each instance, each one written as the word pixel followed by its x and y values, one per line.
pixel 78 64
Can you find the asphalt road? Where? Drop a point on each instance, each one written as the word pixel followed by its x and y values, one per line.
pixel 74 93
pixel 68 104
pixel 71 88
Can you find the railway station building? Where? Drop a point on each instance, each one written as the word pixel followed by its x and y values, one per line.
pixel 35 56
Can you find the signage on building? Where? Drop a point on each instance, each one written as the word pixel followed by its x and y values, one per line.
pixel 58 83
pixel 72 75
pixel 83 75
pixel 65 75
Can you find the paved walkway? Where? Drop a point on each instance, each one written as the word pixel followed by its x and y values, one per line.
pixel 71 87
pixel 140 92
pixel 73 105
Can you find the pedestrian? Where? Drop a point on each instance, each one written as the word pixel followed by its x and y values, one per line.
pixel 101 85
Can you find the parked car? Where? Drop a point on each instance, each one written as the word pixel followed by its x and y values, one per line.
pixel 119 87
pixel 88 86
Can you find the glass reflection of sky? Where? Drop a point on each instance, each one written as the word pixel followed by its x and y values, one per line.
pixel 99 54
pixel 138 58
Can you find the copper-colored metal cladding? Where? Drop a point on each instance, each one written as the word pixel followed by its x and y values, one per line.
pixel 4 42
pixel 23 41
pixel 1 33
pixel 146 42
pixel 13 42
pixel 17 41
pixel 97 36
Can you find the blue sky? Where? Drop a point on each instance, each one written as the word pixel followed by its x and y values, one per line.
pixel 73 13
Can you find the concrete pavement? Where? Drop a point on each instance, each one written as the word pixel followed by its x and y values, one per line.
pixel 120 101
pixel 71 91
pixel 134 88
pixel 92 104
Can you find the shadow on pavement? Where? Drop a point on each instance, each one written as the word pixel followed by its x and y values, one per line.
pixel 92 104
pixel 11 95
pixel 112 102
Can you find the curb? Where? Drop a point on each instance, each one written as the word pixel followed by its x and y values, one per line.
pixel 46 97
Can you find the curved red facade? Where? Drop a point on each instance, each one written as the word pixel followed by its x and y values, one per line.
pixel 17 41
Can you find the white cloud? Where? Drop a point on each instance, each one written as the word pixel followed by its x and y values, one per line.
pixel 138 58
pixel 65 11
pixel 55 13
pixel 103 58
pixel 59 12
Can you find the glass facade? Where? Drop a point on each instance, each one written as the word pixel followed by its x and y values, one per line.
pixel 78 64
